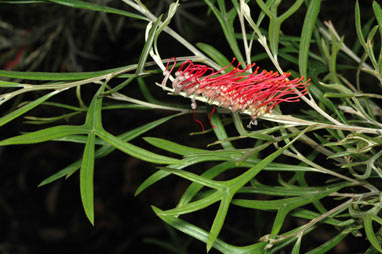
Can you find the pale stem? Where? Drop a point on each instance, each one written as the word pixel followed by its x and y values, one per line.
pixel 245 41
pixel 142 9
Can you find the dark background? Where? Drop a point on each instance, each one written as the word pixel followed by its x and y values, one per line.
pixel 50 219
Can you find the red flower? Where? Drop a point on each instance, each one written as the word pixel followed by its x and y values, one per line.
pixel 238 89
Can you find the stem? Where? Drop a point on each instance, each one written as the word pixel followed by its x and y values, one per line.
pixel 321 169
pixel 142 9
pixel 318 219
pixel 245 41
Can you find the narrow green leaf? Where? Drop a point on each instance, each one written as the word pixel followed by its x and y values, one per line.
pixel 202 235
pixel 358 25
pixel 291 10
pixel 237 183
pixel 265 9
pixel 226 22
pixel 290 190
pixel 135 151
pixel 56 76
pixel 147 47
pixel 86 178
pixel 45 135
pixel 306 35
pixel 219 220
pixel 261 16
pixel 368 223
pixel 105 149
pixel 196 205
pixel 157 176
pixel 378 14
pixel 241 180
pixel 172 146
pixel 80 139
pixel 20 111
pixel 194 188
pixel 9 84
pixel 162 174
pixel 121 85
pixel 68 170
pixel 291 203
pixel 284 206
pixel 95 7
pixel 327 246
pixel 170 14
pixel 214 54
pixel 297 245
pixel 45 120
pixel 93 117
pixel 192 177
pixel 274 35
pixel 220 132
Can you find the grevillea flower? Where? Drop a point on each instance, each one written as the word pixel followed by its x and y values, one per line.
pixel 237 90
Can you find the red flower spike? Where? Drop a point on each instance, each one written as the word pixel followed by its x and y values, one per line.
pixel 238 89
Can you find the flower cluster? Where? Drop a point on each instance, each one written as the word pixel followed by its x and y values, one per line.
pixel 237 90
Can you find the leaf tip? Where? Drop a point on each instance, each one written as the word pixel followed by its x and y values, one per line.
pixel 90 218
pixel 156 210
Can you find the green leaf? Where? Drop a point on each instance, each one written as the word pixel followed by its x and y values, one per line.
pixel 55 76
pixel 220 132
pixel 358 25
pixel 275 22
pixel 94 122
pixel 284 206
pixel 226 22
pixel 291 10
pixel 195 205
pixel 121 85
pixel 80 139
pixel 219 220
pixel 215 55
pixel 106 148
pixel 93 117
pixel 157 176
pixel 95 7
pixel 135 151
pixel 296 247
pixel 9 84
pixel 368 223
pixel 45 120
pixel 378 14
pixel 306 35
pixel 20 111
pixel 86 178
pixel 195 187
pixel 327 246
pixel 234 185
pixel 192 177
pixel 163 25
pixel 45 135
pixel 147 47
pixel 172 147
pixel 202 235
pixel 290 190
pixel 65 172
